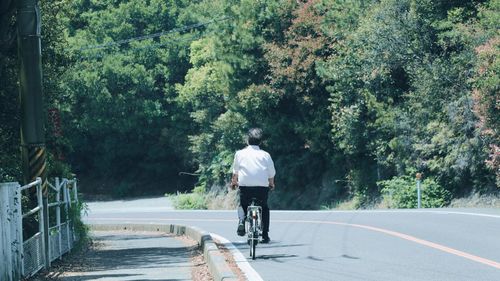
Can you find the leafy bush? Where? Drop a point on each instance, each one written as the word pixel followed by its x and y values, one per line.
pixel 401 192
pixel 188 201
pixel 81 229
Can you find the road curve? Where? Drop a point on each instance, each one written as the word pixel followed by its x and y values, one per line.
pixel 431 244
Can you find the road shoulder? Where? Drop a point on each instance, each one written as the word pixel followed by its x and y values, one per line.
pixel 127 255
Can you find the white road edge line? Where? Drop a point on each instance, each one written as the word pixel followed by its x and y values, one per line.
pixel 471 214
pixel 423 211
pixel 443 212
pixel 240 260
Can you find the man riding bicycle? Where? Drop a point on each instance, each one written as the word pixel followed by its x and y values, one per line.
pixel 253 172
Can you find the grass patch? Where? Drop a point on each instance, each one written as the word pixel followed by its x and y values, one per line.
pixel 199 199
pixel 81 229
pixel 189 201
pixel 351 204
pixel 222 200
pixel 477 200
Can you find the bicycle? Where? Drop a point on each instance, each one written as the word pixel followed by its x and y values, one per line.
pixel 253 225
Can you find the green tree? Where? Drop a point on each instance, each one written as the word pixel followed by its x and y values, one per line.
pixel 487 81
pixel 126 125
pixel 54 63
pixel 400 96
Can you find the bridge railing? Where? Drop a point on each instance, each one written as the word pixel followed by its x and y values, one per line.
pixel 23 247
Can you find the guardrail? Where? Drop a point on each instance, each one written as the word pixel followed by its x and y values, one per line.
pixel 54 236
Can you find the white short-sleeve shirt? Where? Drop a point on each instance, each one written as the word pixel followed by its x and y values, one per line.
pixel 253 166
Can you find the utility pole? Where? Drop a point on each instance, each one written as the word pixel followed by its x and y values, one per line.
pixel 31 97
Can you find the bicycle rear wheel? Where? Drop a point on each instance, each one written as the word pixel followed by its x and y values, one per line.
pixel 254 243
pixel 254 236
pixel 252 248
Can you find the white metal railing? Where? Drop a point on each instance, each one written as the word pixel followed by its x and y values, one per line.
pixel 24 257
pixel 60 234
pixel 32 259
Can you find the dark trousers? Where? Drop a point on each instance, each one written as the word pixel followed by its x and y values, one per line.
pixel 260 193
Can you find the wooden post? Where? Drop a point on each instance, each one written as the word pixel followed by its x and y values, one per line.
pixel 6 268
pixel 11 231
pixel 11 239
pixel 17 231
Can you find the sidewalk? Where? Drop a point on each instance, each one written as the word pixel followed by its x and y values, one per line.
pixel 138 256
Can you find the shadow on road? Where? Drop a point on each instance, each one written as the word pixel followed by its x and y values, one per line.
pixel 276 258
pixel 122 256
pixel 95 277
pixel 273 244
pixel 140 257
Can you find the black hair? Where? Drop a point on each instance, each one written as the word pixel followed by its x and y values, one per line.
pixel 254 136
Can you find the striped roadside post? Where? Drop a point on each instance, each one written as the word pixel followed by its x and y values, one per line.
pixel 32 103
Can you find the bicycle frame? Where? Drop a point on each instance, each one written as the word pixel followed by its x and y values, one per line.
pixel 254 226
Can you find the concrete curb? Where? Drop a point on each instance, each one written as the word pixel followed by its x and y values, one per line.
pixel 216 261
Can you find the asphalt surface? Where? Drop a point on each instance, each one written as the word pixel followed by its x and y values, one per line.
pixel 139 256
pixel 443 244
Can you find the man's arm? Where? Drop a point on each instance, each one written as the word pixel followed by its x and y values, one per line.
pixel 234 181
pixel 271 183
pixel 271 172
pixel 235 168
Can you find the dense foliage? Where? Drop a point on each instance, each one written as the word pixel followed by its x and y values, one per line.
pixel 354 96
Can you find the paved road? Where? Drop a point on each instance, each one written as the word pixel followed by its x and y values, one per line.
pixel 443 244
pixel 124 255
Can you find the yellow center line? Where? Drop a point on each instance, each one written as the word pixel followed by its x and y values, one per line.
pixel 410 238
pixel 367 227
